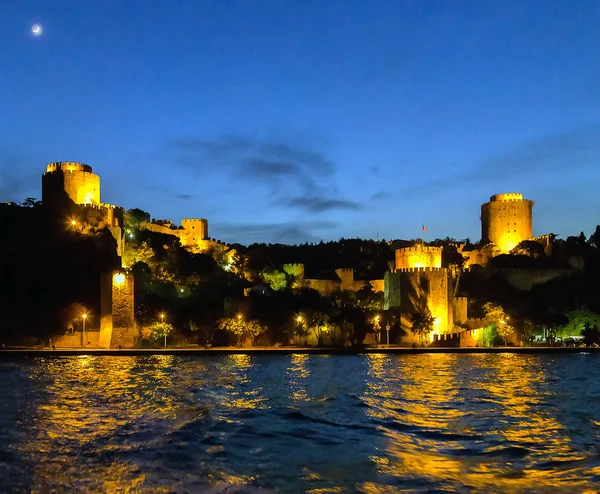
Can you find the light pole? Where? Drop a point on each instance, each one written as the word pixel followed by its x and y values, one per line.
pixel 387 328
pixel 162 320
pixel 299 321
pixel 83 332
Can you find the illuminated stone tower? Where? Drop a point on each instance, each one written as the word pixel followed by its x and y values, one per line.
pixel 420 282
pixel 195 230
pixel 117 320
pixel 419 256
pixel 73 178
pixel 506 220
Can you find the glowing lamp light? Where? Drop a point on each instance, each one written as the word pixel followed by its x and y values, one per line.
pixel 73 222
pixel 84 315
pixel 299 319
pixel 119 279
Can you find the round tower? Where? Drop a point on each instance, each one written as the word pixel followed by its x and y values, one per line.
pixel 506 220
pixel 72 178
pixel 419 256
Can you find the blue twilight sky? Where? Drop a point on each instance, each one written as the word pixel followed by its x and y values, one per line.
pixel 290 121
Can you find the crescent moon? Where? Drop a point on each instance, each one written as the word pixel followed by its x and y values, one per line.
pixel 36 29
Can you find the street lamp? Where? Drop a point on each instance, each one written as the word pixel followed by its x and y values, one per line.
pixel 387 328
pixel 162 320
pixel 84 316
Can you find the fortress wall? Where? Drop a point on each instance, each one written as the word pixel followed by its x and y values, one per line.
pixel 419 256
pixel 460 310
pixel 377 285
pixel 74 340
pixel 294 269
pixel 160 228
pixel 392 292
pixel 506 220
pixel 346 277
pixel 324 287
pixel 411 290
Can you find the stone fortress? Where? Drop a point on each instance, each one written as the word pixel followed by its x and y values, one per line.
pixel 416 279
pixel 71 189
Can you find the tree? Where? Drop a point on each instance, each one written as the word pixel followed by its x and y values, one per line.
pixel 277 280
pixel 578 320
pixel 319 324
pixel 31 202
pixel 594 239
pixel 368 299
pixel 156 331
pixel 422 324
pixel 133 218
pixel 135 253
pixel 498 319
pixel 528 248
pixel 239 327
pixel 205 332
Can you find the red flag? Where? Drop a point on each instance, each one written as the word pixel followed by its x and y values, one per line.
pixel 424 228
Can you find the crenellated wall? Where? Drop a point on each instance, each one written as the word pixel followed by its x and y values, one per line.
pixel 412 290
pixel 506 220
pixel 459 305
pixel 419 256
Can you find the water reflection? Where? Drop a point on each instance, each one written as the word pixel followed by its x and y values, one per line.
pixel 297 375
pixel 484 422
pixel 300 423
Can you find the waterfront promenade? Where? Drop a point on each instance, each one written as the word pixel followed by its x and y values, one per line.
pixel 59 352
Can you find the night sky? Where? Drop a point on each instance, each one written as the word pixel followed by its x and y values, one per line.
pixel 292 121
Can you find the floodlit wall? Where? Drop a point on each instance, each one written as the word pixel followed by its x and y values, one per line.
pixel 419 256
pixel 414 289
pixel 75 340
pixel 506 220
pixel 194 231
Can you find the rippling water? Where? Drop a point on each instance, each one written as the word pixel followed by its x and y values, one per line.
pixel 301 423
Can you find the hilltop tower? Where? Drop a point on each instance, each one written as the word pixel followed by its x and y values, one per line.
pixel 75 179
pixel 506 220
pixel 194 230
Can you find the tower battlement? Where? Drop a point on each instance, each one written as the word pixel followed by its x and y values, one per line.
pixel 68 166
pixel 424 269
pixel 507 196
pixel 419 256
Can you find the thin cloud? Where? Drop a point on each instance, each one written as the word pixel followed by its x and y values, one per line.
pixel 286 171
pixel 558 152
pixel 319 204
